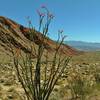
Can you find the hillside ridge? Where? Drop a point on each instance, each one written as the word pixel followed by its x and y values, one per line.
pixel 19 37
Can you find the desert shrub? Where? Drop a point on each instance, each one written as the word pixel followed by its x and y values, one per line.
pixel 97 77
pixel 97 74
pixel 80 89
pixel 38 76
pixel 81 82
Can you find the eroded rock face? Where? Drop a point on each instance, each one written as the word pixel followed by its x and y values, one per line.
pixel 18 36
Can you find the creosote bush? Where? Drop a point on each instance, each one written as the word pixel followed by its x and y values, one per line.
pixel 81 82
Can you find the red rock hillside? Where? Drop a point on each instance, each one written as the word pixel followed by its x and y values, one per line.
pixel 19 37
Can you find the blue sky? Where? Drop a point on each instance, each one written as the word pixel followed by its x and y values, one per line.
pixel 80 19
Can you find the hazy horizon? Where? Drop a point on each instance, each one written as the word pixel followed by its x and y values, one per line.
pixel 82 41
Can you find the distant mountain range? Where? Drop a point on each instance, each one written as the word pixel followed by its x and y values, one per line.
pixel 84 46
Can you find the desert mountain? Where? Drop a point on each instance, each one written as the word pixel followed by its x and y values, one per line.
pixel 18 36
pixel 84 46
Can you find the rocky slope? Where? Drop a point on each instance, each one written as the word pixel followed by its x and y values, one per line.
pixel 18 36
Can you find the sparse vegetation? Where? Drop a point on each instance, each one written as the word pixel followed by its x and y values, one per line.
pixel 62 90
